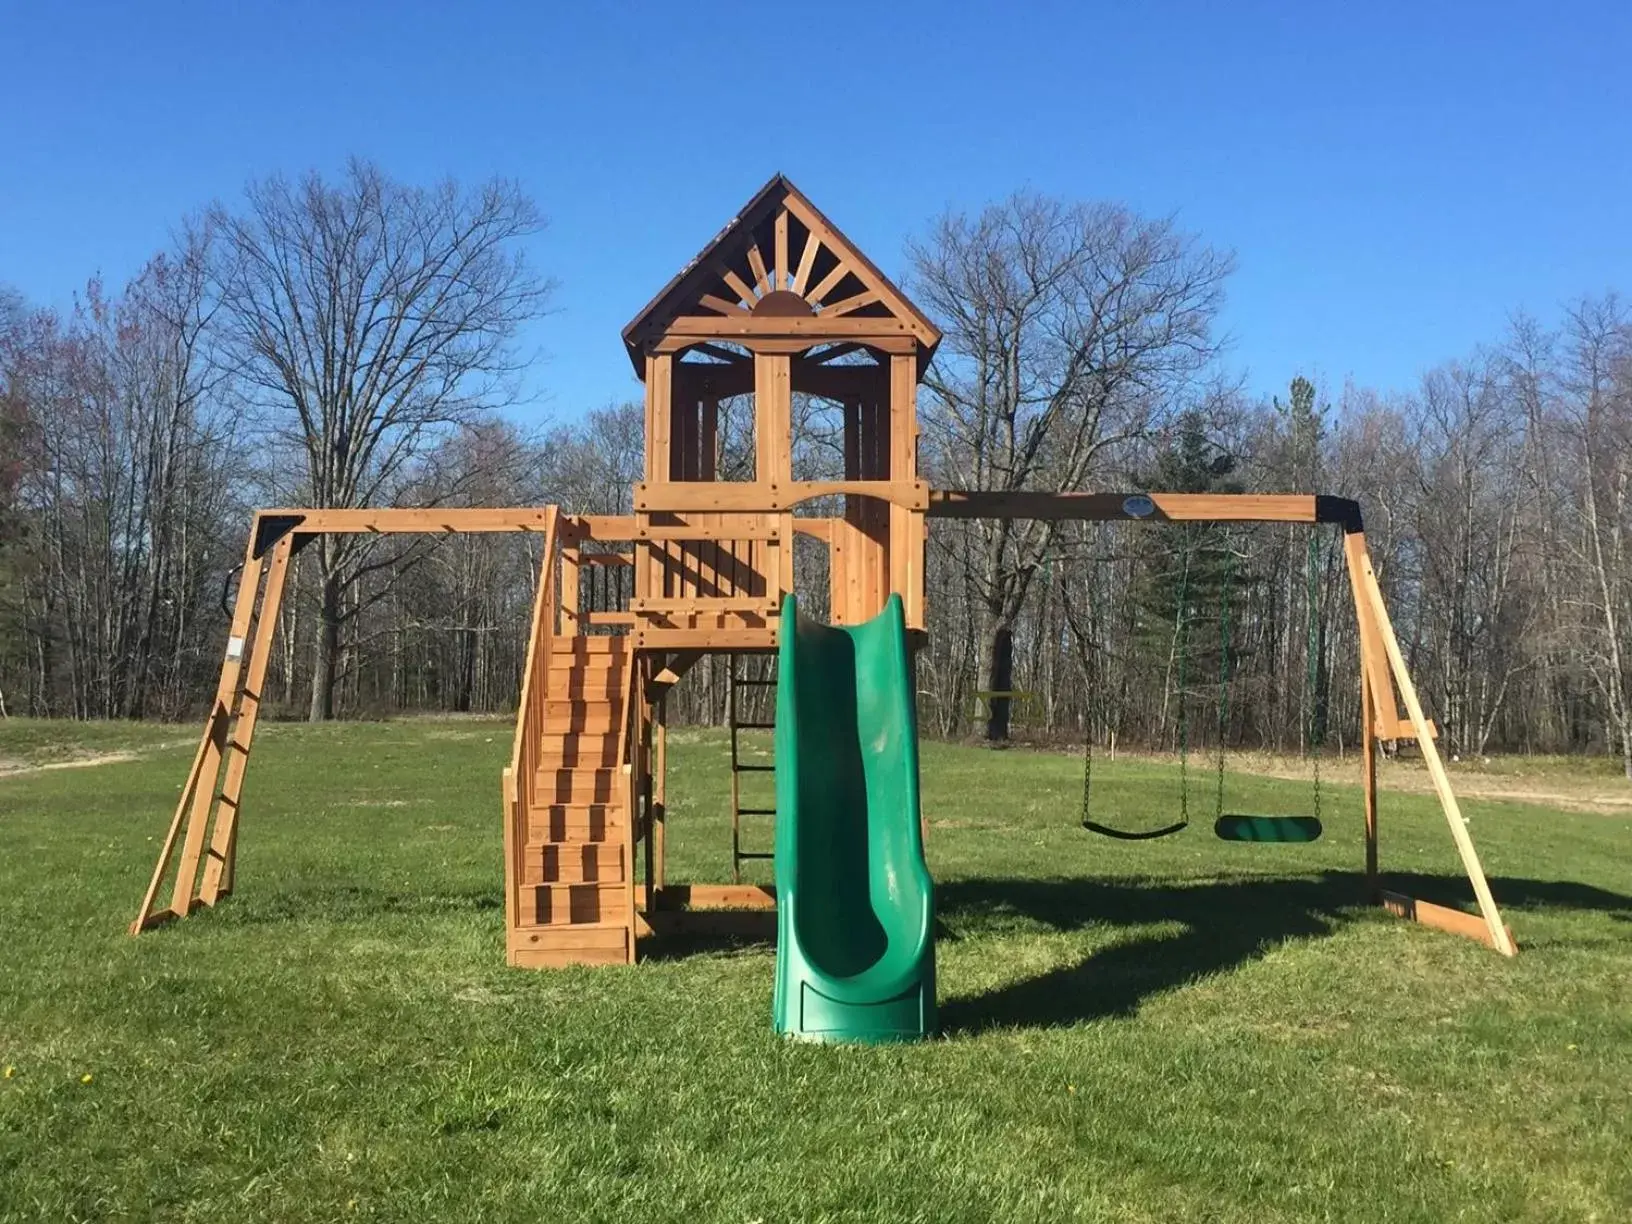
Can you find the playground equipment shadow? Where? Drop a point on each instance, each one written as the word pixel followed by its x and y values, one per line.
pixel 1224 924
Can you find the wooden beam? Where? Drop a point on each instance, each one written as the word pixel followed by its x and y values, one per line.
pixel 721 305
pixel 717 896
pixel 1368 780
pixel 755 638
pixel 721 355
pixel 736 284
pixel 675 667
pixel 829 282
pixel 816 528
pixel 781 273
pixel 684 605
pixel 1443 918
pixel 1132 507
pixel 762 275
pixel 771 498
pixel 608 528
pixel 428 520
pixel 811 327
pixel 849 304
pixel 774 336
pixel 807 261
pixel 830 354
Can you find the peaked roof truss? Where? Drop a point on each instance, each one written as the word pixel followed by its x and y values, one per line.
pixel 779 257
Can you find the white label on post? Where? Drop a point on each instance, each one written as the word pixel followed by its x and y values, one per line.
pixel 235 648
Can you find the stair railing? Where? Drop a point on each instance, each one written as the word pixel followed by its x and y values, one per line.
pixel 521 778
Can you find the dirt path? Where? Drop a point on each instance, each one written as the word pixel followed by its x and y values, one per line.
pixel 10 768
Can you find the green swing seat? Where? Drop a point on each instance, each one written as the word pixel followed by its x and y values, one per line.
pixel 1239 828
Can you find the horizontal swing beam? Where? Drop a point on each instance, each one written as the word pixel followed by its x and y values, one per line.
pixel 1147 507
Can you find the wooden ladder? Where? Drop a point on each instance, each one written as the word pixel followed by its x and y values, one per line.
pixel 738 724
pixel 204 828
pixel 576 891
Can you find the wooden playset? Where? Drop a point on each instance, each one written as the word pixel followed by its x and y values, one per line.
pixel 779 304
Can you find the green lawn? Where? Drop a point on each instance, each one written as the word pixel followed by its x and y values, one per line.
pixel 1178 1030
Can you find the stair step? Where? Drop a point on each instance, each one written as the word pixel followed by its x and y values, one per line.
pixel 580 689
pixel 552 862
pixel 571 752
pixel 548 947
pixel 573 904
pixel 580 784
pixel 570 823
pixel 594 666
pixel 589 644
pixel 606 708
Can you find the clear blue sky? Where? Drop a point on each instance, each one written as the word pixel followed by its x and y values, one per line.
pixel 1394 178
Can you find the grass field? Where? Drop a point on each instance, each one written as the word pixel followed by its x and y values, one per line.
pixel 1178 1030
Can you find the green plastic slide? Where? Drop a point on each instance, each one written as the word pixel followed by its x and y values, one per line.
pixel 855 953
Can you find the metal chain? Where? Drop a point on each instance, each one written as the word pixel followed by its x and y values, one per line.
pixel 1224 668
pixel 1184 672
pixel 1313 650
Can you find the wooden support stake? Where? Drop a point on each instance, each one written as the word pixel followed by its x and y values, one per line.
pixel 1443 918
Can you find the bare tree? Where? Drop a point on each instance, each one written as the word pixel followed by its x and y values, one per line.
pixel 1599 428
pixel 1068 327
pixel 367 317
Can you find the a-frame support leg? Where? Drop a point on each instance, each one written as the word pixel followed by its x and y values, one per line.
pixel 206 815
pixel 1375 623
pixel 223 850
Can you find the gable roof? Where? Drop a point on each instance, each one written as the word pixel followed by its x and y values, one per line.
pixel 780 247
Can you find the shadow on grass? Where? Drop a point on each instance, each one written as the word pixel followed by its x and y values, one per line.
pixel 350 902
pixel 1226 924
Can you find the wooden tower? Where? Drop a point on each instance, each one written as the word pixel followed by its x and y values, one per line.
pixel 780 311
pixel 780 304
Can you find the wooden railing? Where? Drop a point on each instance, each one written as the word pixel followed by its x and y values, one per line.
pixel 632 759
pixel 521 778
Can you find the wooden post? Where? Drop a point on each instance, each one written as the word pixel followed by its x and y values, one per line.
pixel 571 577
pixel 1373 672
pixel 1368 781
pixel 650 556
pixel 906 526
pixel 660 807
pixel 773 445
pixel 1499 937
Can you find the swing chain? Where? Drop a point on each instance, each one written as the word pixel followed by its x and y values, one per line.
pixel 1312 648
pixel 1224 637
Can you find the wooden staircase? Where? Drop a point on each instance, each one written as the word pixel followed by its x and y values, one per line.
pixel 574 900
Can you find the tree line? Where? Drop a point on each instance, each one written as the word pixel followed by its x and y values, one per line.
pixel 353 342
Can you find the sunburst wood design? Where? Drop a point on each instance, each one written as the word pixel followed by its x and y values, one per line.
pixel 786 267
pixel 780 258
